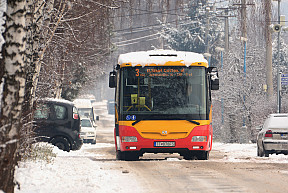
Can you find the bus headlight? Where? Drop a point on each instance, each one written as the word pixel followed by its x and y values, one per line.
pixel 199 139
pixel 129 139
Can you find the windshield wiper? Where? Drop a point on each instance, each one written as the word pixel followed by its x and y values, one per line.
pixel 137 121
pixel 191 121
pixel 195 122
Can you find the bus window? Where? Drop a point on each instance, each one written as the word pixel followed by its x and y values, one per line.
pixel 166 90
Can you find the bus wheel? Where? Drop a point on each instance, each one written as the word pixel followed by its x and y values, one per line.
pixel 120 155
pixel 131 156
pixel 188 155
pixel 203 155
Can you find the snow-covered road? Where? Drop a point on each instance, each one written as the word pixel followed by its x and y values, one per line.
pixel 87 170
pixel 232 167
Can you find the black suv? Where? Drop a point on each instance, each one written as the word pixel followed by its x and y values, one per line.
pixel 58 122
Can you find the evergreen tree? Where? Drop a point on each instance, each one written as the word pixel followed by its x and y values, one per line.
pixel 199 32
pixel 283 54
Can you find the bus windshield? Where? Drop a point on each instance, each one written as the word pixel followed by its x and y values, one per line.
pixel 155 92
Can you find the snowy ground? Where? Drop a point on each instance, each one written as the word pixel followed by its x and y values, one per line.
pixel 77 171
pixel 246 153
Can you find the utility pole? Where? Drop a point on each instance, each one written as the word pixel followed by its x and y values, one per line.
pixel 278 64
pixel 268 37
pixel 207 42
pixel 243 7
pixel 243 18
pixel 226 17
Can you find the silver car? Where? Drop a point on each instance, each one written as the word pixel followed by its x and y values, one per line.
pixel 273 137
pixel 88 131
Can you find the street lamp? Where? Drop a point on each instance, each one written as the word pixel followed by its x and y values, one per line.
pixel 244 70
pixel 219 49
pixel 243 137
pixel 208 56
pixel 278 61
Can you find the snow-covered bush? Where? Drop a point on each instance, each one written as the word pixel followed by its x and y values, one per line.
pixel 39 152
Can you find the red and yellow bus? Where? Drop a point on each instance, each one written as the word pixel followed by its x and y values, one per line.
pixel 163 104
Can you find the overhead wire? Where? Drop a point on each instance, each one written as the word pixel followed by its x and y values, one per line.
pixel 121 45
pixel 154 25
pixel 137 38
pixel 139 29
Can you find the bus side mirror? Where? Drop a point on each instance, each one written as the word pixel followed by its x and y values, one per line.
pixel 215 84
pixel 214 78
pixel 112 79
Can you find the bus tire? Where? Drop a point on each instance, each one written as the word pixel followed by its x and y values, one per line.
pixel 120 155
pixel 188 155
pixel 203 155
pixel 131 156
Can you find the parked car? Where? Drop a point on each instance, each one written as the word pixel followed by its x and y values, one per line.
pixel 273 137
pixel 85 108
pixel 88 131
pixel 58 122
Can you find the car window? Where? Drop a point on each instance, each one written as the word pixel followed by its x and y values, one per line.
pixel 42 111
pixel 86 123
pixel 60 112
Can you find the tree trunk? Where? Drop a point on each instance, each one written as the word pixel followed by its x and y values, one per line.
pixel 13 93
pixel 38 15
pixel 268 38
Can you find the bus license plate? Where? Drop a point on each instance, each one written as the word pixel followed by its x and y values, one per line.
pixel 164 143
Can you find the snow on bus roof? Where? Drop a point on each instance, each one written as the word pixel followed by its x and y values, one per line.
pixel 160 57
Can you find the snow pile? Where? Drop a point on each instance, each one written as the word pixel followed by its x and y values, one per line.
pixel 246 153
pixel 160 57
pixel 75 171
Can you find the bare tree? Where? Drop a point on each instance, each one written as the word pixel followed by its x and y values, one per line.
pixel 13 93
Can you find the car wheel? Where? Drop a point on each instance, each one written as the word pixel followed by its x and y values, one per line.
pixel 261 152
pixel 61 143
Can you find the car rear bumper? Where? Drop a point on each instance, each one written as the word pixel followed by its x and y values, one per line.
pixel 271 145
pixel 88 137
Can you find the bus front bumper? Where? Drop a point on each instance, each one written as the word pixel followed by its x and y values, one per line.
pixel 131 140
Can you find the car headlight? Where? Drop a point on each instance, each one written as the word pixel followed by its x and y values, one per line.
pixel 199 138
pixel 129 139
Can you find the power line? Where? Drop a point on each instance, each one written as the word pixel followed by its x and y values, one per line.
pixel 124 41
pixel 121 45
pixel 149 25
